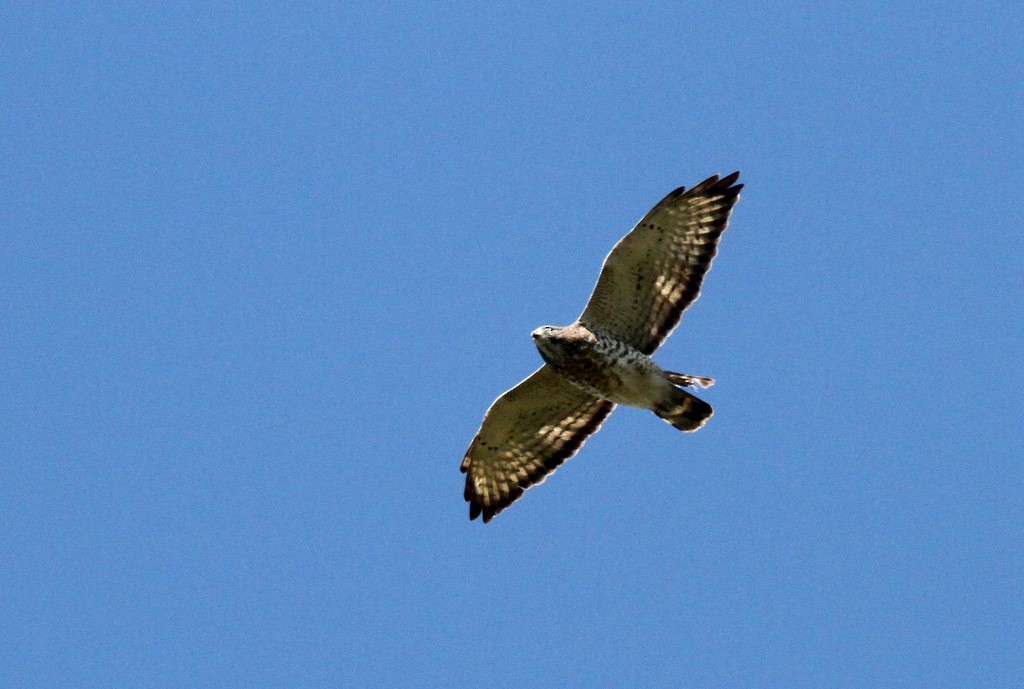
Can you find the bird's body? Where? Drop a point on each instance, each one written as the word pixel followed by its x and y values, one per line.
pixel 603 366
pixel 603 359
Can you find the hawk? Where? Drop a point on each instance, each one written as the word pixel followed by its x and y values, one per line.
pixel 603 359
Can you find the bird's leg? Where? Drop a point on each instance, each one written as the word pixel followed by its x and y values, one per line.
pixel 688 381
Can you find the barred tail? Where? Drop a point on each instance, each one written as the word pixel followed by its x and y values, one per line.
pixel 684 411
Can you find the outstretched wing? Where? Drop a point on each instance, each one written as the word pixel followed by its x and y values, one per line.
pixel 656 270
pixel 525 435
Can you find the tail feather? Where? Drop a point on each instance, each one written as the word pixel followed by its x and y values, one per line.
pixel 684 411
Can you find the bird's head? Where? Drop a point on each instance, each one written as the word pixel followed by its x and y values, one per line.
pixel 545 332
pixel 550 343
pixel 558 344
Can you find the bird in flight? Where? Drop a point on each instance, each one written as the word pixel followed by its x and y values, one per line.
pixel 603 359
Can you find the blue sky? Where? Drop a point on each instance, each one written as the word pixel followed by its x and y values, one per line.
pixel 265 266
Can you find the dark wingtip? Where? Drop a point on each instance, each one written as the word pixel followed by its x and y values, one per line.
pixel 719 183
pixel 477 509
pixel 726 185
pixel 714 182
pixel 671 196
pixel 728 180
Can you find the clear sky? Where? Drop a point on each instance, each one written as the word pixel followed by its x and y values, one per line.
pixel 265 266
